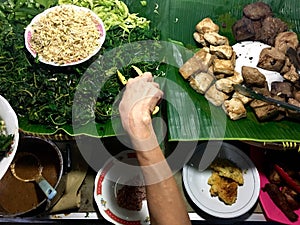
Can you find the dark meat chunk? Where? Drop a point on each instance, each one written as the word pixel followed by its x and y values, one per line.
pixel 271 27
pixel 287 66
pixel 286 40
pixel 243 29
pixel 280 201
pixel 131 197
pixel 292 75
pixel 253 77
pixel 292 197
pixel 271 59
pixel 291 113
pixel 283 89
pixel 274 177
pixel 266 112
pixel 257 11
pixel 297 95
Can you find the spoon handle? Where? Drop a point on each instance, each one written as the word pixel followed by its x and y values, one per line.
pixel 49 191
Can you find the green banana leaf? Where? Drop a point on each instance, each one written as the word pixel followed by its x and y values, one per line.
pixel 188 115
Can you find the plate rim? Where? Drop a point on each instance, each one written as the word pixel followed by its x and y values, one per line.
pixel 6 161
pixel 255 194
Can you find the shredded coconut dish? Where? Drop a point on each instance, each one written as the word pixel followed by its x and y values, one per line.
pixel 65 34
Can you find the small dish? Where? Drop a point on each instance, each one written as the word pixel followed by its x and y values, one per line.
pixel 195 183
pixel 72 35
pixel 8 115
pixel 108 181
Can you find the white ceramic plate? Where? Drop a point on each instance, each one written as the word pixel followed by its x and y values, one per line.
pixel 12 127
pixel 97 20
pixel 108 181
pixel 195 183
pixel 247 53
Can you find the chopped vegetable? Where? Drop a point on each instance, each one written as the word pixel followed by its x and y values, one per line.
pixel 44 95
pixel 113 13
pixel 5 140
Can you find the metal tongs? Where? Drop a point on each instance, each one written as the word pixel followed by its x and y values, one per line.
pixel 242 89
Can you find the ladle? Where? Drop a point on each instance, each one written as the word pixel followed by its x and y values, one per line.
pixel 27 167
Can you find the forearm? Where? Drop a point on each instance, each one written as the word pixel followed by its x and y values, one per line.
pixel 165 202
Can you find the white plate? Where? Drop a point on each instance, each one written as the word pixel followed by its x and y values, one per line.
pixel 247 53
pixel 109 180
pixel 195 183
pixel 98 21
pixel 12 127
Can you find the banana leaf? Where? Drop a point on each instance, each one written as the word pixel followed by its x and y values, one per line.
pixel 188 115
pixel 209 121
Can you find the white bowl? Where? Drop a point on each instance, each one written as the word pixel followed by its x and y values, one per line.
pixel 8 115
pixel 30 30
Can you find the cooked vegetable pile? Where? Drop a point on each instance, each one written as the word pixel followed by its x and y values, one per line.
pixel 65 34
pixel 44 95
pixel 5 140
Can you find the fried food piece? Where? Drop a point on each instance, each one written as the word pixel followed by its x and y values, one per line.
pixel 207 25
pixel 222 51
pixel 200 62
pixel 257 10
pixel 279 199
pixel 271 59
pixel 253 76
pixel 201 82
pixel 223 66
pixel 226 189
pixel 228 169
pixel 234 108
pixel 215 96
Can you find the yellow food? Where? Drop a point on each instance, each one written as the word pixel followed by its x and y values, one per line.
pixel 225 179
pixel 65 34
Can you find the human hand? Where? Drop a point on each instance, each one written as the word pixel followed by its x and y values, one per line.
pixel 141 96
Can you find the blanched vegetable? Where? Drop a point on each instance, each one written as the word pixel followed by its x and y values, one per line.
pixel 112 12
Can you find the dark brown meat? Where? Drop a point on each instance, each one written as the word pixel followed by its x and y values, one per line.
pixel 280 201
pixel 257 11
pixel 271 59
pixel 243 29
pixel 282 89
pixel 253 77
pixel 292 197
pixel 266 112
pixel 271 27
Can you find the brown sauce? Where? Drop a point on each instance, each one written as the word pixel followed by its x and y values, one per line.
pixel 17 197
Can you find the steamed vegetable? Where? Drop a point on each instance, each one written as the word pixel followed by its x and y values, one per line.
pixel 43 94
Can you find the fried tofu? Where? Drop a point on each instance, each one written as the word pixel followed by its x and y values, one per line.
pixel 200 62
pixel 223 66
pixel 214 38
pixel 234 108
pixel 200 82
pixel 222 51
pixel 215 96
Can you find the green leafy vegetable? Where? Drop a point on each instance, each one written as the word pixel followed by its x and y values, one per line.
pixel 5 140
pixel 44 94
